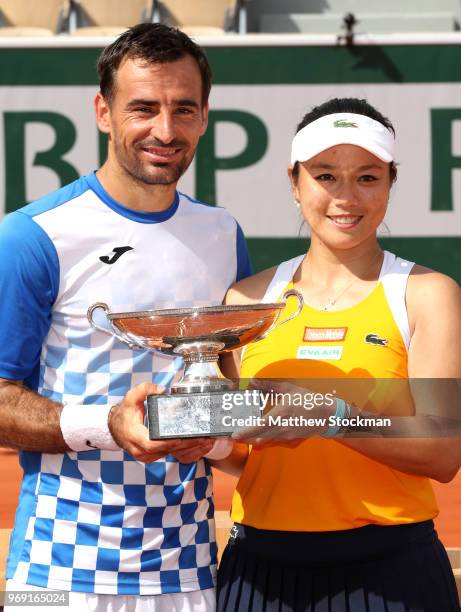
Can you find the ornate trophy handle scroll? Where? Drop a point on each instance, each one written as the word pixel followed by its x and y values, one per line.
pixel 299 297
pixel 105 308
pixel 275 324
pixel 113 331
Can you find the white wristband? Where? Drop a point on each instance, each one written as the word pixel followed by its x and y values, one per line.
pixel 85 427
pixel 221 449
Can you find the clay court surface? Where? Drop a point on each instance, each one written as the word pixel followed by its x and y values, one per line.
pixel 449 497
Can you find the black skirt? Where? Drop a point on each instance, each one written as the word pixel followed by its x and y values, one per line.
pixel 401 568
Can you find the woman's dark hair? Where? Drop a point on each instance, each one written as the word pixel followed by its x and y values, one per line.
pixel 154 43
pixel 347 105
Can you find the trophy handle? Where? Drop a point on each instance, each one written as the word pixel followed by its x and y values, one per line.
pixel 275 324
pixel 89 315
pixel 113 331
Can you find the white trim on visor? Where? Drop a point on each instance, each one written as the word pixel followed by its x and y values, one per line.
pixel 343 128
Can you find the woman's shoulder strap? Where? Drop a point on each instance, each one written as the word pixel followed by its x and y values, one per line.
pixel 283 275
pixel 394 278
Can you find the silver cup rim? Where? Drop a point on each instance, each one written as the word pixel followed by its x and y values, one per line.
pixel 194 310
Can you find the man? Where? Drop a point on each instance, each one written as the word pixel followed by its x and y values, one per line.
pixel 102 508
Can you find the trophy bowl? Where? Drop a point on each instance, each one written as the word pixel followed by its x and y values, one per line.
pixel 233 326
pixel 199 334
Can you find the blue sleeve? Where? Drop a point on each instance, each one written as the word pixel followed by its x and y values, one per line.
pixel 244 267
pixel 29 282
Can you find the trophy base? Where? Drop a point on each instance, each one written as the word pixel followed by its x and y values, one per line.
pixel 192 415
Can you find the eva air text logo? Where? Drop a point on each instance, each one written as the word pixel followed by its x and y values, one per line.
pixel 344 123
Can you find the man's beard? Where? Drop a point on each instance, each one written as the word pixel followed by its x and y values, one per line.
pixel 150 174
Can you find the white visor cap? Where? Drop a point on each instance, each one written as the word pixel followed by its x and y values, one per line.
pixel 343 128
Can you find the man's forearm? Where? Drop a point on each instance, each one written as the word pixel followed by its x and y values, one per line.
pixel 29 421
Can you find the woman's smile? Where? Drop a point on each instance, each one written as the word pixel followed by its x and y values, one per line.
pixel 345 221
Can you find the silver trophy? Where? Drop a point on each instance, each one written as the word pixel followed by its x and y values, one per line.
pixel 198 404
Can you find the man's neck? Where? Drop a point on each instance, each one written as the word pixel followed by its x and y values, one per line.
pixel 134 194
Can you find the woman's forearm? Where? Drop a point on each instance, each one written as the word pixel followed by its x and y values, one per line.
pixel 235 462
pixel 437 458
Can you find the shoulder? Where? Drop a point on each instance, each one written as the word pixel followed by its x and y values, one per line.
pixel 55 199
pixel 252 289
pixel 19 229
pixel 431 295
pixel 423 281
pixel 219 220
pixel 197 206
pixel 434 313
pixel 25 245
pixel 24 240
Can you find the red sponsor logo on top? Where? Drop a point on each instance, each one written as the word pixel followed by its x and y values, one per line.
pixel 324 334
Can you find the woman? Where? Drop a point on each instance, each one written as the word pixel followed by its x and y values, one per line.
pixel 345 523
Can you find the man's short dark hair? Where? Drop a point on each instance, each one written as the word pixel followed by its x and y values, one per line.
pixel 154 43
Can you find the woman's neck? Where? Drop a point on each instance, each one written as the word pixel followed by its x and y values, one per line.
pixel 324 266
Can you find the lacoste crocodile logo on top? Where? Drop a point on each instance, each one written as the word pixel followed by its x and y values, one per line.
pixel 375 339
pixel 118 252
pixel 344 123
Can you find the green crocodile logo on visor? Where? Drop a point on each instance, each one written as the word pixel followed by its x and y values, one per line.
pixel 343 123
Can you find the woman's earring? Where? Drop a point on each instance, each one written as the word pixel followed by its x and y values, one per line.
pixel 298 205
